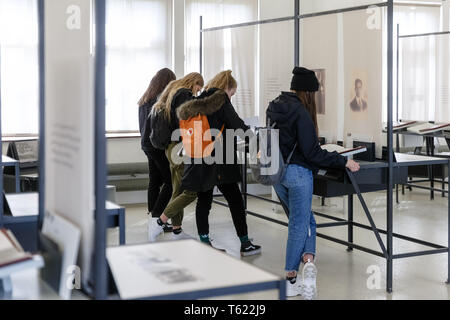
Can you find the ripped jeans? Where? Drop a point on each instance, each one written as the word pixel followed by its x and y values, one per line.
pixel 295 191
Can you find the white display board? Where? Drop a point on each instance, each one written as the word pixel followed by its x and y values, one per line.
pixel 69 116
pixel 244 60
pixel 363 82
pixel 276 62
pixel 319 52
pixel 169 268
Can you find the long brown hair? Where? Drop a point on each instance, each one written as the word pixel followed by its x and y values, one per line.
pixel 224 81
pixel 309 101
pixel 159 82
pixel 188 82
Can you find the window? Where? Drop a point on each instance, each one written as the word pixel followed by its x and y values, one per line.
pixel 138 41
pixel 233 49
pixel 215 13
pixel 19 66
pixel 418 61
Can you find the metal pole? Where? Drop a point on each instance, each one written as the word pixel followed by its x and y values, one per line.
pixel 398 75
pixel 390 207
pixel 201 45
pixel 350 221
pixel 41 45
pixel 297 33
pixel 101 270
pixel 398 116
pixel 1 146
pixel 448 230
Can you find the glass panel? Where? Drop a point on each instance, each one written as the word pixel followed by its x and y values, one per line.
pixel 277 61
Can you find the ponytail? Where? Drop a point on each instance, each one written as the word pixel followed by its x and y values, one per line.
pixel 224 81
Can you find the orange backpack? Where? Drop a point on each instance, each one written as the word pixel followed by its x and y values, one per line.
pixel 197 137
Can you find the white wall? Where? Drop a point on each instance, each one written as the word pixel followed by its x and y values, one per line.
pixel 125 150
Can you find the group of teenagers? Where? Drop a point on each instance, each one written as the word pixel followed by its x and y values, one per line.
pixel 173 185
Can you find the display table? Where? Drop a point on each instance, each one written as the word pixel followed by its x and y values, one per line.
pixel 9 162
pixel 184 270
pixel 7 273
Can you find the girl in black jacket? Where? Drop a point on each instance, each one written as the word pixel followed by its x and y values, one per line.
pixel 176 93
pixel 294 114
pixel 216 105
pixel 160 185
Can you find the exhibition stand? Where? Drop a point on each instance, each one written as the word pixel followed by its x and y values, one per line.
pixel 374 176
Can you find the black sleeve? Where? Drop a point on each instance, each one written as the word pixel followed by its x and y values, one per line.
pixel 232 119
pixel 310 147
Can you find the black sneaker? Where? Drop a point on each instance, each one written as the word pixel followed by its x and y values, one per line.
pixel 168 228
pixel 249 249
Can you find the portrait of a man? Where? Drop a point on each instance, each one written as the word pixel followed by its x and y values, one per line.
pixel 359 103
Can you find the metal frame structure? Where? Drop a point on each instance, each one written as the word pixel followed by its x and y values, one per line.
pixel 428 138
pixel 100 264
pixel 1 148
pixel 16 165
pixel 388 249
pixel 99 271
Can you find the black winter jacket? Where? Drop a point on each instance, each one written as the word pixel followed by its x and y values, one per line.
pixel 296 126
pixel 144 125
pixel 216 105
pixel 180 97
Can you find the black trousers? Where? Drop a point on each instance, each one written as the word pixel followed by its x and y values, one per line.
pixel 233 196
pixel 160 186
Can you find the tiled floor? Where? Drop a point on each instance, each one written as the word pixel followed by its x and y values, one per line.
pixel 342 275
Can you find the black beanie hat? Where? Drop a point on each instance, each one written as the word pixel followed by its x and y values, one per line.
pixel 304 80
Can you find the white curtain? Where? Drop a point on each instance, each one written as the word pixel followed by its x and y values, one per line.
pixel 244 65
pixel 213 53
pixel 138 40
pixel 443 79
pixel 276 62
pixel 19 66
pixel 215 13
pixel 417 87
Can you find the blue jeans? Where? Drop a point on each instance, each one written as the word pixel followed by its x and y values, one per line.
pixel 295 191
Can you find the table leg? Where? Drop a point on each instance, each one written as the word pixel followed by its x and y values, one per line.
pixel 431 141
pixel 17 177
pixel 245 186
pixel 282 288
pixel 122 238
pixel 5 285
pixel 350 221
pixel 443 180
pixel 448 231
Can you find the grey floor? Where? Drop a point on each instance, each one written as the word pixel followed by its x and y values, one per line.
pixel 342 275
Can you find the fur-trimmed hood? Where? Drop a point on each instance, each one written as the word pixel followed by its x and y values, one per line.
pixel 204 106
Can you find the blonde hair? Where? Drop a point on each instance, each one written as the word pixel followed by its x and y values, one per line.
pixel 188 82
pixel 223 81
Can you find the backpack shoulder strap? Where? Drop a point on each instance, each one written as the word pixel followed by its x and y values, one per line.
pixel 291 154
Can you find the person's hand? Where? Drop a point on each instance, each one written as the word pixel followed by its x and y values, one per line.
pixel 353 166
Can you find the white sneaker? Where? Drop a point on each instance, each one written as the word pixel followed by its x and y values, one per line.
pixel 293 290
pixel 182 236
pixel 154 229
pixel 309 287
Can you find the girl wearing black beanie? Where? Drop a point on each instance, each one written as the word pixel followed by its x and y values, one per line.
pixel 295 115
